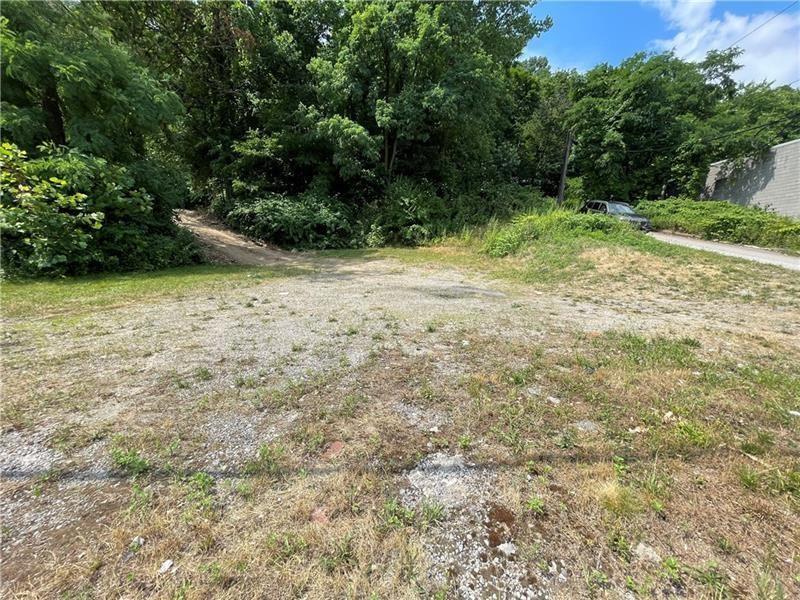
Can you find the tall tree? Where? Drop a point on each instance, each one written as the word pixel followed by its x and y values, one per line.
pixel 426 82
pixel 542 124
pixel 84 112
pixel 651 126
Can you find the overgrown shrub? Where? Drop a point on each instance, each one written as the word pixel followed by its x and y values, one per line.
pixel 413 212
pixel 725 221
pixel 495 200
pixel 44 227
pixel 502 240
pixel 64 212
pixel 410 213
pixel 309 220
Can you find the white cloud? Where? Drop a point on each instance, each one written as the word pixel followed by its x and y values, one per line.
pixel 686 15
pixel 771 53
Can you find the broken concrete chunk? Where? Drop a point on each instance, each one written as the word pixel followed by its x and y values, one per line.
pixel 165 566
pixel 645 553
pixel 507 549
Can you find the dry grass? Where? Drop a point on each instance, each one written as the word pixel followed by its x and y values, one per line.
pixel 284 474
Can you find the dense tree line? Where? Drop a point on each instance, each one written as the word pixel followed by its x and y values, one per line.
pixel 331 123
pixel 650 127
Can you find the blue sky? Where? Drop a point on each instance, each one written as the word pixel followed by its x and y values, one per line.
pixel 585 33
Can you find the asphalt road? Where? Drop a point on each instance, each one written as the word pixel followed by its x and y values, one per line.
pixel 769 257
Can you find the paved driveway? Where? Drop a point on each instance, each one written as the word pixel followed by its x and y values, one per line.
pixel 769 257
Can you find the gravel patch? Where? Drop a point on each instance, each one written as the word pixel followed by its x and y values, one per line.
pixel 473 549
pixel 27 455
pixel 447 480
pixel 58 514
pixel 135 368
pixel 234 439
pixel 422 418
pixel 460 553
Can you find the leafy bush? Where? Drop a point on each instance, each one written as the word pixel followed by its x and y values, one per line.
pixel 717 220
pixel 64 212
pixel 412 212
pixel 409 213
pixel 44 227
pixel 495 200
pixel 309 220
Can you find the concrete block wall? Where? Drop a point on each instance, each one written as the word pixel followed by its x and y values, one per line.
pixel 772 182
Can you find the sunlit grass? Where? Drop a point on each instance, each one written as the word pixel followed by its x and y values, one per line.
pixel 75 295
pixel 559 248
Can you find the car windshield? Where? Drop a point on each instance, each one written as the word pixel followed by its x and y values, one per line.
pixel 620 209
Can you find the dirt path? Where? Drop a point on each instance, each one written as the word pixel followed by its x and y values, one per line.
pixel 761 255
pixel 226 246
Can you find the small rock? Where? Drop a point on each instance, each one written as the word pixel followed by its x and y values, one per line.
pixel 638 429
pixel 554 400
pixel 668 417
pixel 507 549
pixel 795 413
pixel 133 548
pixel 434 429
pixel 533 390
pixel 586 426
pixel 646 554
pixel 319 515
pixel 165 566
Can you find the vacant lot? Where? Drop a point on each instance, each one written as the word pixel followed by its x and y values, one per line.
pixel 578 420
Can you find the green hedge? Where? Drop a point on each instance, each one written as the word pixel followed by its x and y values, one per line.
pixel 715 220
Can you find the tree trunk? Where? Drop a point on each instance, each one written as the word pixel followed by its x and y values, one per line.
pixel 386 151
pixel 563 181
pixel 394 155
pixel 54 119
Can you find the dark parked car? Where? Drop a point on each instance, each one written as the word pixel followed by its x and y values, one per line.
pixel 618 210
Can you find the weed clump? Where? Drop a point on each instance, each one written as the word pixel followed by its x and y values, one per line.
pixel 271 461
pixel 129 461
pixel 557 225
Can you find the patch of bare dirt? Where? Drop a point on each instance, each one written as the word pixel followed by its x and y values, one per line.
pixel 225 246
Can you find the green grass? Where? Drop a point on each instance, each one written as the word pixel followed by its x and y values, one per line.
pixel 536 505
pixel 559 248
pixel 637 350
pixel 271 461
pixel 78 295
